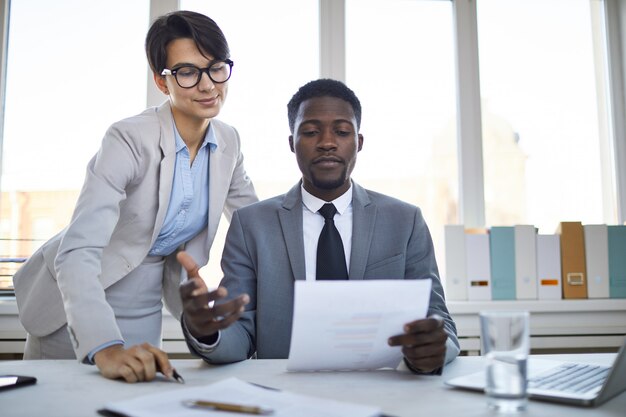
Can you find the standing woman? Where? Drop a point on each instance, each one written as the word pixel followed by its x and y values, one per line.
pixel 158 184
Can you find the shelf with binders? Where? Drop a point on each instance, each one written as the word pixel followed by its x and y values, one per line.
pixel 515 262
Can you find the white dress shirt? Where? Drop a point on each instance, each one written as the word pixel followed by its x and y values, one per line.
pixel 313 223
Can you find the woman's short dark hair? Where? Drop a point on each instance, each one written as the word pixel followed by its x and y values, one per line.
pixel 205 33
pixel 324 87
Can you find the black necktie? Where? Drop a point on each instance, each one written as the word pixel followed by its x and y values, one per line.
pixel 331 260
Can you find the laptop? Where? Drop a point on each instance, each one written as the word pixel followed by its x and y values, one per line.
pixel 575 383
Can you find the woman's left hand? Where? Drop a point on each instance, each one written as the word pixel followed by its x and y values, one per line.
pixel 135 364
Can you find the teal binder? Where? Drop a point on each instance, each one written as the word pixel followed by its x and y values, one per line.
pixel 617 261
pixel 502 250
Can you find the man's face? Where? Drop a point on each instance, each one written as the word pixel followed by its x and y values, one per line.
pixel 326 141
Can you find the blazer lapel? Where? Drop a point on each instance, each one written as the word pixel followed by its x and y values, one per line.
pixel 363 221
pixel 168 149
pixel 290 215
pixel 220 164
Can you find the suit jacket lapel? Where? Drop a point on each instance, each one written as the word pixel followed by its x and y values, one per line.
pixel 363 221
pixel 168 149
pixel 290 215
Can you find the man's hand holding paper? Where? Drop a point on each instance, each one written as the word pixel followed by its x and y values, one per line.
pixel 423 344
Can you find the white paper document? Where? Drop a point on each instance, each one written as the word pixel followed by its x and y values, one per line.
pixel 235 391
pixel 344 325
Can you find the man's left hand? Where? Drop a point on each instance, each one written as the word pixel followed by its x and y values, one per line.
pixel 423 343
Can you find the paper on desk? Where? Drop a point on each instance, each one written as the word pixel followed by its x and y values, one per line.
pixel 344 325
pixel 233 390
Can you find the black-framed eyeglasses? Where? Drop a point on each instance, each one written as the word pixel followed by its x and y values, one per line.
pixel 188 76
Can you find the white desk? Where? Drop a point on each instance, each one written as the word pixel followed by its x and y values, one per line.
pixel 66 388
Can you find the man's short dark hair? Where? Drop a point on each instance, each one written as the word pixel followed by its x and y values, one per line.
pixel 205 33
pixel 324 87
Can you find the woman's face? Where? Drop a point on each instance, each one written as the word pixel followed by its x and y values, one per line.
pixel 197 104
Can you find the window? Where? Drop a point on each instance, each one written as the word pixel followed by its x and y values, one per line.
pixel 403 72
pixel 541 140
pixel 73 68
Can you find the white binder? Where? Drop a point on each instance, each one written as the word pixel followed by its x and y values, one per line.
pixel 456 277
pixel 525 262
pixel 549 267
pixel 597 254
pixel 478 264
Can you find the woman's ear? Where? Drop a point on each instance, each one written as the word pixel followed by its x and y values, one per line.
pixel 159 80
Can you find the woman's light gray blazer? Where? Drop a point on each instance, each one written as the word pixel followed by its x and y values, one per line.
pixel 116 221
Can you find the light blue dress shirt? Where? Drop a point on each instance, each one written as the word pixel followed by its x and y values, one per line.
pixel 188 209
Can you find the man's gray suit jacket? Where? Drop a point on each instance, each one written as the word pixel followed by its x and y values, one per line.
pixel 264 256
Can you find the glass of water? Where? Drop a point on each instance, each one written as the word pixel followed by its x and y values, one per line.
pixel 506 343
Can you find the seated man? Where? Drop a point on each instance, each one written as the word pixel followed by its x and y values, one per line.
pixel 275 242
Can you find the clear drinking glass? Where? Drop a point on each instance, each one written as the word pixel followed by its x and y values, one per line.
pixel 506 343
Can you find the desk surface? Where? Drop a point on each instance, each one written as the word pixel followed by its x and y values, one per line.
pixel 67 388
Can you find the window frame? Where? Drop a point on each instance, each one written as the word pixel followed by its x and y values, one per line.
pixel 615 15
pixel 5 7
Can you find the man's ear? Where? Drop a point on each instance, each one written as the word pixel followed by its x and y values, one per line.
pixel 359 143
pixel 291 144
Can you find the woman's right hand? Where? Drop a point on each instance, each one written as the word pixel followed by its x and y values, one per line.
pixel 202 318
pixel 135 364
